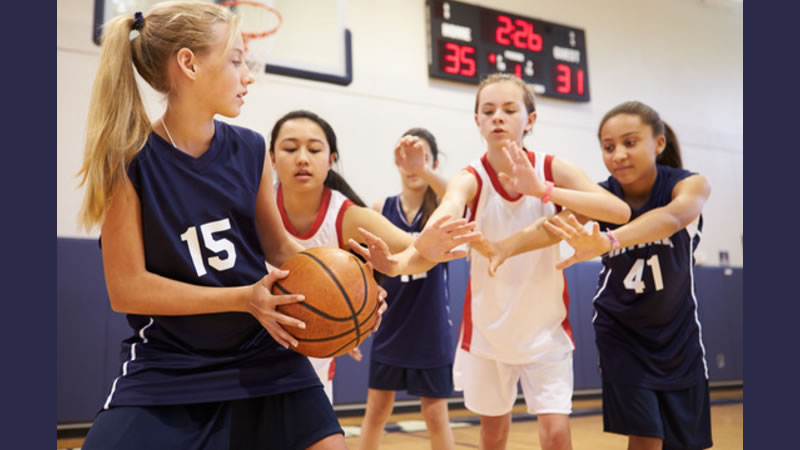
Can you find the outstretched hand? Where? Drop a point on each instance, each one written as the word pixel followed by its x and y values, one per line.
pixel 377 252
pixel 495 252
pixel 438 241
pixel 409 155
pixel 435 244
pixel 586 245
pixel 523 178
pixel 262 305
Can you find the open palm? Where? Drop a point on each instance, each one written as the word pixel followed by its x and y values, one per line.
pixel 409 155
pixel 586 245
pixel 438 241
pixel 524 179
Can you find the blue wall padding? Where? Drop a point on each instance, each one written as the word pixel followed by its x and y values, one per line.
pixel 89 332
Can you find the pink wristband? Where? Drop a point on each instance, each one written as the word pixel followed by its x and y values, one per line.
pixel 548 191
pixel 614 241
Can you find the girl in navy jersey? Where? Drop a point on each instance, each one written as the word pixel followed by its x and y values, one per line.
pixel 413 350
pixel 652 358
pixel 316 204
pixel 514 326
pixel 188 218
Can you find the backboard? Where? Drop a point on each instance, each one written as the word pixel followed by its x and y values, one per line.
pixel 312 42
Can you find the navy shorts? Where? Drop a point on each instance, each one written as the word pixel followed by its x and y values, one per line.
pixel 294 420
pixel 436 382
pixel 682 418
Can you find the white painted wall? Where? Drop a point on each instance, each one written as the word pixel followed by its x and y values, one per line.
pixel 683 57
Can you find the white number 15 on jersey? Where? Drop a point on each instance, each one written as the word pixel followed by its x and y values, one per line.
pixel 215 245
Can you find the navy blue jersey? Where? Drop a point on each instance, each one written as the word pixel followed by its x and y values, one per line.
pixel 198 227
pixel 415 329
pixel 646 324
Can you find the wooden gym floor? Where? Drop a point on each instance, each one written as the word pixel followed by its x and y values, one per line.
pixel 406 431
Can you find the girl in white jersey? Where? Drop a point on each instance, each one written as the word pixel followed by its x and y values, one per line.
pixel 319 208
pixel 514 326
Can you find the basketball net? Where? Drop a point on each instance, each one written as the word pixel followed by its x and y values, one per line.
pixel 259 23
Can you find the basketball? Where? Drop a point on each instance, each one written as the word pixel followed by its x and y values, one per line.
pixel 341 304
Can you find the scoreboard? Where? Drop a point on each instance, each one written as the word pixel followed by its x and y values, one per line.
pixel 468 42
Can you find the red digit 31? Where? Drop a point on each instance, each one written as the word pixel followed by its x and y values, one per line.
pixel 564 80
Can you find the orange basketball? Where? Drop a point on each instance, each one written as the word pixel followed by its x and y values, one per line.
pixel 341 304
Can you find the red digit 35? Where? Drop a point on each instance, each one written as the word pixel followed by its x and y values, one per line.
pixel 459 59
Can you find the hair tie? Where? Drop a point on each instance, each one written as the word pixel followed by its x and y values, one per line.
pixel 138 21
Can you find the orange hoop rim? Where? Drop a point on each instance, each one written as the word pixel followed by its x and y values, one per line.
pixel 263 34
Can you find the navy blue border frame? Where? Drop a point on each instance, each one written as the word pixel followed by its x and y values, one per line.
pixel 29 356
pixel 343 80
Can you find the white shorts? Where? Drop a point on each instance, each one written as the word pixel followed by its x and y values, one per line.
pixel 490 386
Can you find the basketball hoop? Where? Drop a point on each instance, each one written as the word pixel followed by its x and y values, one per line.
pixel 259 23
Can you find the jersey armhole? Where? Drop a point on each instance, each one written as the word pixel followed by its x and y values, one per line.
pixel 472 209
pixel 383 205
pixel 548 175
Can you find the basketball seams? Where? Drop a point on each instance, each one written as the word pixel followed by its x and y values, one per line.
pixel 366 297
pixel 331 318
pixel 363 283
pixel 341 289
pixel 330 339
pixel 360 324
pixel 336 352
pixel 311 308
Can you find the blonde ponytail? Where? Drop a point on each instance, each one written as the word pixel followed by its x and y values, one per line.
pixel 118 126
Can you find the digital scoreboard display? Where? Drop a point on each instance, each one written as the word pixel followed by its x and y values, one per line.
pixel 468 42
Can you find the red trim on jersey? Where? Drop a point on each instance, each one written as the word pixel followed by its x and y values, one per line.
pixel 331 369
pixel 496 181
pixel 548 167
pixel 474 207
pixel 548 174
pixel 466 314
pixel 323 209
pixel 565 324
pixel 466 318
pixel 531 156
pixel 339 218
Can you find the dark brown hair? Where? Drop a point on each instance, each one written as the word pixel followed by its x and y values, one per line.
pixel 671 155
pixel 333 180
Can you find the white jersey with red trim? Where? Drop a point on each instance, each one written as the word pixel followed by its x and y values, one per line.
pixel 326 231
pixel 522 311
